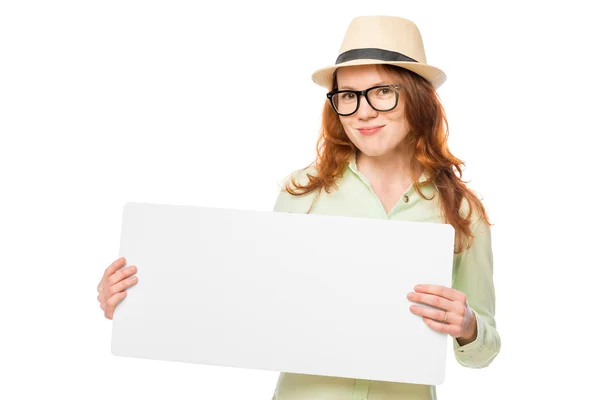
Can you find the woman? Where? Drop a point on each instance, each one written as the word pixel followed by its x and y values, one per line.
pixel 383 154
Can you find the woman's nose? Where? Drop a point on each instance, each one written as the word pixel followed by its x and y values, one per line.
pixel 365 110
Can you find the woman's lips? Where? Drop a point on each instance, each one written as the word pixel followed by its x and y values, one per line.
pixel 370 130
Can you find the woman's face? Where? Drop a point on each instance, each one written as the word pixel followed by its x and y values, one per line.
pixel 391 127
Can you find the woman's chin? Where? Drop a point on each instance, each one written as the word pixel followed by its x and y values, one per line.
pixel 372 151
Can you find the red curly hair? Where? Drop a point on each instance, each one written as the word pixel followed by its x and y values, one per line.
pixel 427 142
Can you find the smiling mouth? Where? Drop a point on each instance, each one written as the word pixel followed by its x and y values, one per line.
pixel 370 131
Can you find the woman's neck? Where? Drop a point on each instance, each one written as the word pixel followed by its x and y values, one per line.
pixel 390 169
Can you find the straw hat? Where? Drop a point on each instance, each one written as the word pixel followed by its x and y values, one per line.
pixel 382 40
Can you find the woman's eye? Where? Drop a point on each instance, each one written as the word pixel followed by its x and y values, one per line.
pixel 347 96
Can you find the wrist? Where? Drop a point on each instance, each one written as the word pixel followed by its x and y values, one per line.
pixel 471 334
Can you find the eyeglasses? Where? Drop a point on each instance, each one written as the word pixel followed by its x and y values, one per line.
pixel 380 98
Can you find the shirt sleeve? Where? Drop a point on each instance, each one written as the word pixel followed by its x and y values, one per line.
pixel 473 275
pixel 282 203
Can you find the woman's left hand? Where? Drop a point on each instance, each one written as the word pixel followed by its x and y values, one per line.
pixel 453 316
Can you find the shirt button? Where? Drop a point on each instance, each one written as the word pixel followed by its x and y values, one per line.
pixel 405 198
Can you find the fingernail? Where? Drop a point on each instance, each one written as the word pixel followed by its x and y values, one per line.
pixel 418 287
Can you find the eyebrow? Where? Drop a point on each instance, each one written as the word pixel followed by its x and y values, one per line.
pixel 351 88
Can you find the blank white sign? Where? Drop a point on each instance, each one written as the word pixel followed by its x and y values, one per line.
pixel 310 294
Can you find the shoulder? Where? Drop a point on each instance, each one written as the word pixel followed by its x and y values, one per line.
pixel 299 176
pixel 287 202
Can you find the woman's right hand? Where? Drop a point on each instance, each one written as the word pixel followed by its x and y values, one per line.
pixel 111 289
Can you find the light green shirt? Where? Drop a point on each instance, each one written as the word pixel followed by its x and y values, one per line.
pixel 472 274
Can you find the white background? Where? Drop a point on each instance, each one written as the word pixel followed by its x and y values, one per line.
pixel 107 102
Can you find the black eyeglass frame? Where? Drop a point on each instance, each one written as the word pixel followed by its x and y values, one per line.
pixel 364 93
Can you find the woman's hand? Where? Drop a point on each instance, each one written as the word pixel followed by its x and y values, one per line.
pixel 453 316
pixel 111 289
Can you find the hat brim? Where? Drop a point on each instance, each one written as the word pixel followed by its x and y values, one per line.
pixel 324 76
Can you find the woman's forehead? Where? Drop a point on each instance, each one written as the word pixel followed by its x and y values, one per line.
pixel 361 76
